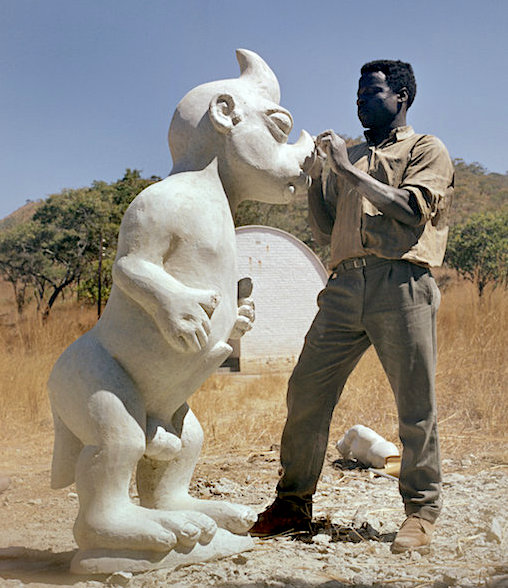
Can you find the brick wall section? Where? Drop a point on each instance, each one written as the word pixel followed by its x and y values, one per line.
pixel 287 278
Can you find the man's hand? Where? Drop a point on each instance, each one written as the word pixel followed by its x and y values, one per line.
pixel 185 322
pixel 397 203
pixel 313 164
pixel 335 149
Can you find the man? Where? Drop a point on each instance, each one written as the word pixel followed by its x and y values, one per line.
pixel 383 207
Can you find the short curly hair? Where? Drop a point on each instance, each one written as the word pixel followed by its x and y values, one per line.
pixel 398 75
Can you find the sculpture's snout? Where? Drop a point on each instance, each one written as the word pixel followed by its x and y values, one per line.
pixel 300 151
pixel 304 147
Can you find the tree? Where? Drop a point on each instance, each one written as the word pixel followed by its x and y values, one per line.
pixel 292 218
pixel 96 281
pixel 51 251
pixel 15 260
pixel 69 228
pixel 478 248
pixel 69 238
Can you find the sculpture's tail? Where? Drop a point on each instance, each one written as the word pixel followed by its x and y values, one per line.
pixel 66 450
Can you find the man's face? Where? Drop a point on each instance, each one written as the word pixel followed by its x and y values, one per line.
pixel 377 103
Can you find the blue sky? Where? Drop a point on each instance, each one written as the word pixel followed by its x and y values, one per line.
pixel 88 87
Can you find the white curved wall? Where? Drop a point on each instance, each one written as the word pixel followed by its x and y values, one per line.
pixel 287 278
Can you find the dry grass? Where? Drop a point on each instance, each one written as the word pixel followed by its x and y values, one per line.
pixel 472 371
pixel 28 351
pixel 246 413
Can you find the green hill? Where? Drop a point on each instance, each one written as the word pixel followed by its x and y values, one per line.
pixel 21 215
pixel 476 190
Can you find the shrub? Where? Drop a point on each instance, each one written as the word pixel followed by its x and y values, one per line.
pixel 478 248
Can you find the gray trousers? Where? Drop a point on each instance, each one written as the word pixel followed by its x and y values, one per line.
pixel 391 304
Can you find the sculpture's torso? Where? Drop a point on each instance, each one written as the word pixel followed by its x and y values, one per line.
pixel 203 256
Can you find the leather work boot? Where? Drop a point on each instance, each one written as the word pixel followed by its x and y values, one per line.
pixel 414 534
pixel 283 517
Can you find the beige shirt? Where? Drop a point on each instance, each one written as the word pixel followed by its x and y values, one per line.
pixel 413 162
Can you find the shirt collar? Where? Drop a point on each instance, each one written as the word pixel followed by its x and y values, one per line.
pixel 395 135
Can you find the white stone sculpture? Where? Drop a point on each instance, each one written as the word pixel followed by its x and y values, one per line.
pixel 119 393
pixel 367 446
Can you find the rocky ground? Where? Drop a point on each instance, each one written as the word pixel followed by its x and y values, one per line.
pixel 357 515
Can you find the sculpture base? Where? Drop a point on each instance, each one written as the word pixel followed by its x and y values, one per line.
pixel 108 561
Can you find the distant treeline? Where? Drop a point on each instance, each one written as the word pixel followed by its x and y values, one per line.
pixel 68 241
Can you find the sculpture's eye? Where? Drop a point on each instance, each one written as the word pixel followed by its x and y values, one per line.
pixel 281 124
pixel 283 121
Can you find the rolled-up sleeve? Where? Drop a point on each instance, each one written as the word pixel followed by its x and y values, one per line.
pixel 428 175
pixel 329 189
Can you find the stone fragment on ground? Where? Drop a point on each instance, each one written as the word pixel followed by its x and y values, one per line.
pixel 5 482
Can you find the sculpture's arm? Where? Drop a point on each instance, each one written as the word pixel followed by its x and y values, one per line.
pixel 181 313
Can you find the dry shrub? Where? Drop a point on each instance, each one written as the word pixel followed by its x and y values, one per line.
pixel 29 351
pixel 241 412
pixel 246 412
pixel 471 375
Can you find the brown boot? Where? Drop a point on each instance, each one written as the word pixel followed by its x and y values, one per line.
pixel 414 534
pixel 283 517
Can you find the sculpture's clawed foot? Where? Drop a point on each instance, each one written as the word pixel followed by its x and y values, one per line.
pixel 188 527
pixel 236 518
pixel 137 528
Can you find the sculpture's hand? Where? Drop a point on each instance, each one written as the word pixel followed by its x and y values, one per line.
pixel 246 314
pixel 185 321
pixel 335 150
pixel 245 318
pixel 163 446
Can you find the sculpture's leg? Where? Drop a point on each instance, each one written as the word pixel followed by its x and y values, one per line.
pixel 107 517
pixel 101 407
pixel 165 484
pixel 66 450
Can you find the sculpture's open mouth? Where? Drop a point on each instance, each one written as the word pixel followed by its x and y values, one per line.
pixel 298 186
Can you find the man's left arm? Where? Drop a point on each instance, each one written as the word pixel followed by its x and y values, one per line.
pixel 412 203
pixel 429 176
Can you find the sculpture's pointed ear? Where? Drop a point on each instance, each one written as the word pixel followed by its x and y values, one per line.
pixel 223 113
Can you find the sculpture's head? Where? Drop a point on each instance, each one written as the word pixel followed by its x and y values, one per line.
pixel 240 123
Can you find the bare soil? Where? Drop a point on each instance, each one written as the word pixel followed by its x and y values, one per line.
pixel 356 513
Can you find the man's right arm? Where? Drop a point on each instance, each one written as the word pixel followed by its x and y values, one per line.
pixel 320 220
